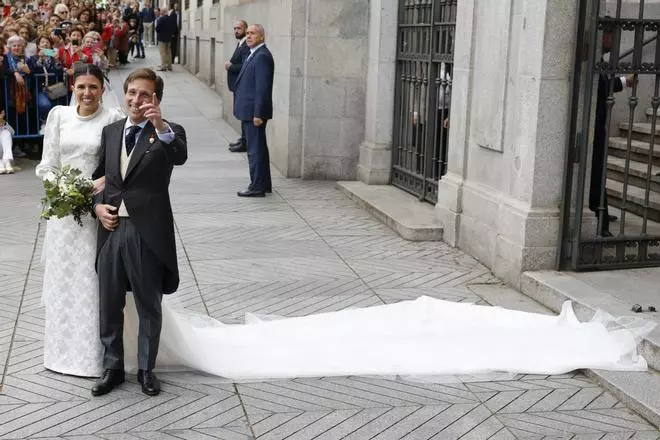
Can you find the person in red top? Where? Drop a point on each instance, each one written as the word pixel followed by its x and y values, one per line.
pixel 92 50
pixel 72 52
pixel 121 42
pixel 108 30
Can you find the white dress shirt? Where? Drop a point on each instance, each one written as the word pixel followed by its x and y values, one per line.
pixel 253 50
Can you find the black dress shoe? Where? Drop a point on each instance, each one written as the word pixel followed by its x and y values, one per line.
pixel 240 148
pixel 149 381
pixel 107 382
pixel 251 193
pixel 269 190
pixel 606 234
pixel 612 218
pixel 236 143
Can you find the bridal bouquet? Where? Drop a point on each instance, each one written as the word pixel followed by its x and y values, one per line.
pixel 68 192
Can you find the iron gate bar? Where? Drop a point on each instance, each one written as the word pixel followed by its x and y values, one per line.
pixel 431 105
pixel 614 58
pixel 632 104
pixel 631 50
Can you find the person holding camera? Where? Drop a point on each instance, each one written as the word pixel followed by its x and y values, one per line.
pixel 45 61
pixel 135 37
pixel 72 52
pixel 46 57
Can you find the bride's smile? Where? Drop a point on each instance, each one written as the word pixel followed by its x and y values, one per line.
pixel 88 90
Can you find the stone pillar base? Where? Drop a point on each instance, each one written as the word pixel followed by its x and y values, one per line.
pixel 375 166
pixel 504 234
pixel 448 207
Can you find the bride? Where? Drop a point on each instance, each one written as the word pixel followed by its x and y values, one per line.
pixel 70 291
pixel 421 338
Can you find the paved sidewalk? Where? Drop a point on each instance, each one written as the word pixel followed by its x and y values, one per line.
pixel 304 249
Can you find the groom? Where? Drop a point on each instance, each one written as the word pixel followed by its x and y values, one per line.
pixel 136 249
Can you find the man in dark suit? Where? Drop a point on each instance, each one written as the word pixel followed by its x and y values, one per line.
pixel 136 248
pixel 598 158
pixel 233 67
pixel 174 46
pixel 166 27
pixel 253 106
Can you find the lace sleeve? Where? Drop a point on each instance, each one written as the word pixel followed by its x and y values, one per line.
pixel 50 158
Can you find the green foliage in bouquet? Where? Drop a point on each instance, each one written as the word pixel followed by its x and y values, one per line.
pixel 68 193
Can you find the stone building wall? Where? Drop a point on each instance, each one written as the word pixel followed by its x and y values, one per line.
pixel 501 198
pixel 320 50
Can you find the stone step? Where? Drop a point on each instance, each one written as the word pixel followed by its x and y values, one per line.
pixel 649 115
pixel 639 390
pixel 641 131
pixel 407 216
pixel 639 151
pixel 637 173
pixel 635 198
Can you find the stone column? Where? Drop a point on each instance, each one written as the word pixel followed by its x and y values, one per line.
pixel 375 164
pixel 509 128
pixel 450 187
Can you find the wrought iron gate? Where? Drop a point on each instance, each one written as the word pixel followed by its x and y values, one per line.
pixel 423 94
pixel 613 161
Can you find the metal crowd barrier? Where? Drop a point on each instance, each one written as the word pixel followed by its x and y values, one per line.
pixel 27 125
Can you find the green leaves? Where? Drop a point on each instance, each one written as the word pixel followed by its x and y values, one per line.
pixel 69 193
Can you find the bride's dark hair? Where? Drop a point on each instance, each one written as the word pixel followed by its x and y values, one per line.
pixel 88 69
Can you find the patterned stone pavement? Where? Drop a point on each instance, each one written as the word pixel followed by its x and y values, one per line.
pixel 305 249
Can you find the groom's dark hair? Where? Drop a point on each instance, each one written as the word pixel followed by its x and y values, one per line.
pixel 147 74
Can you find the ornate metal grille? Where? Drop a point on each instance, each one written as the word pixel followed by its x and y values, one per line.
pixel 423 94
pixel 614 162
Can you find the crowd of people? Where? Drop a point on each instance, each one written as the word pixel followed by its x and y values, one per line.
pixel 42 43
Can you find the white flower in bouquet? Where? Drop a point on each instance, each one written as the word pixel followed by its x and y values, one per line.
pixel 68 192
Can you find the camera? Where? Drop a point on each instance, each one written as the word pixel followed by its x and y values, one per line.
pixel 58 32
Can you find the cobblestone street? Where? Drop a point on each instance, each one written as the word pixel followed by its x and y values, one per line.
pixel 304 249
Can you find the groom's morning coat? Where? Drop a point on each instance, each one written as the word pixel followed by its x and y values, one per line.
pixel 144 189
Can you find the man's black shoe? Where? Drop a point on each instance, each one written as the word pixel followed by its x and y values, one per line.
pixel 236 143
pixel 241 148
pixel 107 382
pixel 149 381
pixel 606 234
pixel 251 193
pixel 612 218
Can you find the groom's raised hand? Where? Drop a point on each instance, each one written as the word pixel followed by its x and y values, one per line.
pixel 106 213
pixel 152 113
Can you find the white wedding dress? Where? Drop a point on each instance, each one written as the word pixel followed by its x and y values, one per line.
pixel 425 338
pixel 70 289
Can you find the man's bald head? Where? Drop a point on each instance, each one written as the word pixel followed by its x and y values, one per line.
pixel 240 27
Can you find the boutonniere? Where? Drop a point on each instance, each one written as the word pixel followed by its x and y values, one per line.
pixel 152 139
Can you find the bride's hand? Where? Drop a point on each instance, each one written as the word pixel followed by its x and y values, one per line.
pixel 99 185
